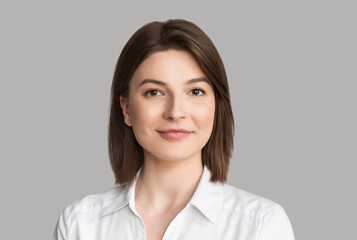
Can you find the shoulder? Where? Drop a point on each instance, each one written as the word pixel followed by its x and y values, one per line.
pixel 96 202
pixel 242 202
pixel 267 216
pixel 87 209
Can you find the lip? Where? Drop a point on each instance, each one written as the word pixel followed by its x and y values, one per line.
pixel 174 134
pixel 174 130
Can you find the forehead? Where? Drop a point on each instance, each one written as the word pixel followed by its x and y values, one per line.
pixel 170 66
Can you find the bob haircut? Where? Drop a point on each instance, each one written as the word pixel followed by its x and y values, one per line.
pixel 125 153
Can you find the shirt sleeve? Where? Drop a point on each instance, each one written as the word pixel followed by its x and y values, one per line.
pixel 61 228
pixel 276 225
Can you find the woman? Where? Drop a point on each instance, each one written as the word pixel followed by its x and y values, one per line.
pixel 170 141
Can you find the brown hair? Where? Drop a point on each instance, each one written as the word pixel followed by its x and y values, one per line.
pixel 125 153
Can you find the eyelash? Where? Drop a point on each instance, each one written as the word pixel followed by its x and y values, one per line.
pixel 148 91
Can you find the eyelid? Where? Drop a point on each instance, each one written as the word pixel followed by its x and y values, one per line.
pixel 155 89
pixel 203 91
pixel 152 89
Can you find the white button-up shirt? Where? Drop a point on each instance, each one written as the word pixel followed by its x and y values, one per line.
pixel 215 211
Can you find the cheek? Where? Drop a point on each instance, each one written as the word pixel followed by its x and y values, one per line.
pixel 205 116
pixel 144 114
pixel 144 118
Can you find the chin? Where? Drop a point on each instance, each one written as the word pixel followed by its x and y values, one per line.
pixel 171 156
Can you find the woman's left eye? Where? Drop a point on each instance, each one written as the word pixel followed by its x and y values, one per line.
pixel 197 92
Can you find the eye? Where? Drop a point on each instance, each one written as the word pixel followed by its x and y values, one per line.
pixel 198 92
pixel 152 93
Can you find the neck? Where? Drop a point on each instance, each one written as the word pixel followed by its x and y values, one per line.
pixel 165 184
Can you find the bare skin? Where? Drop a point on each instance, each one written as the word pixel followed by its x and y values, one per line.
pixel 163 190
pixel 172 167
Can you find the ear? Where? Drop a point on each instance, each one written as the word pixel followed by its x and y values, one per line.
pixel 125 106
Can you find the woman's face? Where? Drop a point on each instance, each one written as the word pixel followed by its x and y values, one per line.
pixel 169 91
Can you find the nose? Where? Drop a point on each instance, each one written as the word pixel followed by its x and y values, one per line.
pixel 175 109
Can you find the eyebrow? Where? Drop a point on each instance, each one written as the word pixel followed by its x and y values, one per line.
pixel 194 80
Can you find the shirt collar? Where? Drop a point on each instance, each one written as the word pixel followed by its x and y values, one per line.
pixel 125 195
pixel 207 196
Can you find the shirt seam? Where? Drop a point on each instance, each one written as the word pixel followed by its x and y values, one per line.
pixel 68 215
pixel 255 217
pixel 75 207
pixel 72 209
pixel 264 219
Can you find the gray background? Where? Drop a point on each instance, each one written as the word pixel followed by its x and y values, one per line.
pixel 292 74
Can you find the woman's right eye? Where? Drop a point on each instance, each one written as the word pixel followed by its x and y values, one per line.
pixel 152 92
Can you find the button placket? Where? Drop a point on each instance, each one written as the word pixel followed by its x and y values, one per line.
pixel 173 230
